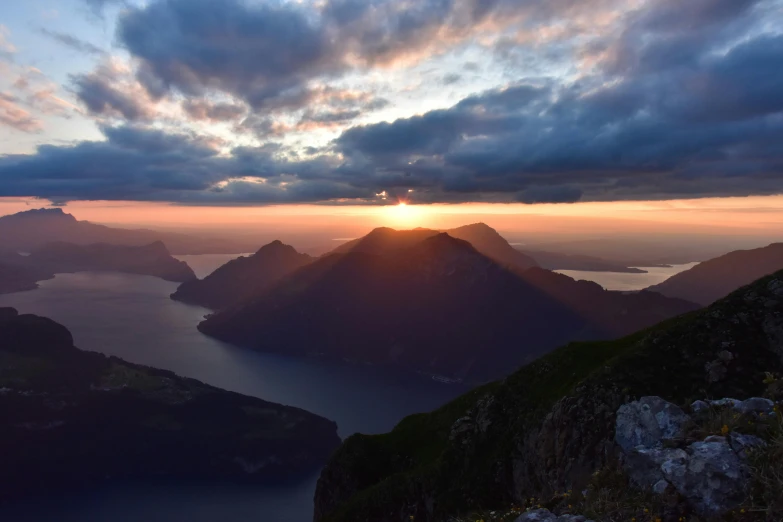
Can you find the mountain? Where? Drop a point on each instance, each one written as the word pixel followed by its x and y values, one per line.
pixel 153 259
pixel 242 277
pixel 15 276
pixel 558 261
pixel 73 417
pixel 29 230
pixel 709 281
pixel 548 431
pixel 483 238
pixel 434 305
pixel 486 240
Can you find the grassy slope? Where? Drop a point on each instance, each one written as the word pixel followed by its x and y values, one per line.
pixel 416 461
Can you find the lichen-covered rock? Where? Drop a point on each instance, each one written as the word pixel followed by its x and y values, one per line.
pixel 648 422
pixel 712 477
pixel 544 515
pixel 743 445
pixel 645 466
pixel 755 405
pixel 537 515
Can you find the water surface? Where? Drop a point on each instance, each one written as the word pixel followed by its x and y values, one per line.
pixel 626 282
pixel 132 317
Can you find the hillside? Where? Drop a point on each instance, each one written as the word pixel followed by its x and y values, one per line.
pixel 243 277
pixel 550 427
pixel 435 305
pixel 709 281
pixel 139 421
pixel 153 260
pixel 29 230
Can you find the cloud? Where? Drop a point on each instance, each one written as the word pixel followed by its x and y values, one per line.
pixel 211 111
pixel 12 115
pixel 74 43
pixel 135 163
pixel 605 100
pixel 110 92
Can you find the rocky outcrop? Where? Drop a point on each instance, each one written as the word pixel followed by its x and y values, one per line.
pixel 138 421
pixel 544 515
pixel 711 474
pixel 550 426
pixel 242 278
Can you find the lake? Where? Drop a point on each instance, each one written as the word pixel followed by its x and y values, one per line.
pixel 625 282
pixel 132 317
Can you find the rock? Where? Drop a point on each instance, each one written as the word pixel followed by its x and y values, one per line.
pixel 699 407
pixel 537 515
pixel 660 487
pixel 645 466
pixel 711 477
pixel 744 444
pixel 573 518
pixel 648 422
pixel 755 405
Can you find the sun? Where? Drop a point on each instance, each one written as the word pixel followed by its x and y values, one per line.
pixel 403 215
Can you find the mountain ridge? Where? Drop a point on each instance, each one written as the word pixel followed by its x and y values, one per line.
pixel 398 308
pixel 549 427
pixel 717 277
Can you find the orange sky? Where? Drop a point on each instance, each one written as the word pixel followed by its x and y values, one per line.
pixel 758 216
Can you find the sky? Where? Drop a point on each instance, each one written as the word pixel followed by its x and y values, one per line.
pixel 532 105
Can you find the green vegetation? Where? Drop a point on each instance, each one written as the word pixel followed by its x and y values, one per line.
pixel 416 465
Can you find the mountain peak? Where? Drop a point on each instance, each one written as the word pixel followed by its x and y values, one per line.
pixel 38 213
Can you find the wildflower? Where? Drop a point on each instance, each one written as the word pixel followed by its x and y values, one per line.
pixel 742 510
pixel 646 510
pixel 724 430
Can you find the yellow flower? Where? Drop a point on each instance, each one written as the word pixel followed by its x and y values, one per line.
pixel 646 510
pixel 724 430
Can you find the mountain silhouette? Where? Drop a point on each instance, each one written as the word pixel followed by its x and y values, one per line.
pixel 74 418
pixel 242 277
pixel 29 230
pixel 484 238
pixel 430 303
pixel 153 259
pixel 711 280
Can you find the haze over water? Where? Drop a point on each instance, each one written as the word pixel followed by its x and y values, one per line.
pixel 133 318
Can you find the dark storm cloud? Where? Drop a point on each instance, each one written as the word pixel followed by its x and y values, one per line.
pixel 150 165
pixel 266 53
pixel 681 100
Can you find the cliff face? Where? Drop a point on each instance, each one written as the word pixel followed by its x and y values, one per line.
pixel 153 259
pixel 551 425
pixel 74 417
pixel 243 277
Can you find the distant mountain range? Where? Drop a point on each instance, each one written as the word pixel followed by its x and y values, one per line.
pixel 429 302
pixel 559 261
pixel 711 280
pixel 153 259
pixel 17 276
pixel 19 273
pixel 26 231
pixel 69 418
pixel 243 277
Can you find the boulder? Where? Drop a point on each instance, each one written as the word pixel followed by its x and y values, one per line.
pixel 537 515
pixel 755 405
pixel 712 477
pixel 744 444
pixel 648 422
pixel 645 466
